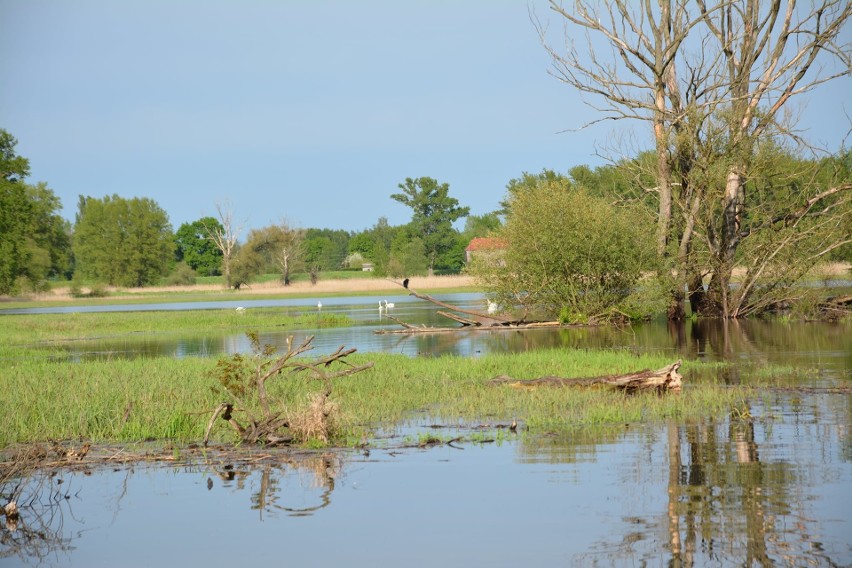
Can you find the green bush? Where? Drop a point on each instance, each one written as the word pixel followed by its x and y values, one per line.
pixel 182 275
pixel 570 255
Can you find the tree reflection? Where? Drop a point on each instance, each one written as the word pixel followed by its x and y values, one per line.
pixel 36 532
pixel 280 485
pixel 725 505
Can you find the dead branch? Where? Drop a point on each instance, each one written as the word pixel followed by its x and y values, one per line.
pixel 480 315
pixel 271 427
pixel 661 380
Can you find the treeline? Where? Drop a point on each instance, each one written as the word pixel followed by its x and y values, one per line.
pixel 573 246
pixel 130 242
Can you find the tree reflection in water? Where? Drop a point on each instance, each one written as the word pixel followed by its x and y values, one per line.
pixel 36 533
pixel 46 526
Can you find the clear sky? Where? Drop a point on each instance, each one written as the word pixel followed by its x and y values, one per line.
pixel 310 111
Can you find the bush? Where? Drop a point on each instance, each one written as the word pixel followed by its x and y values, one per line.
pixel 182 275
pixel 569 254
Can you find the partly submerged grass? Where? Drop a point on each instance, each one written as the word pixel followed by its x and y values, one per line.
pixel 164 398
pixel 33 328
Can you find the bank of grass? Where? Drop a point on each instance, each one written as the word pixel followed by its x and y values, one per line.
pixel 126 401
pixel 29 329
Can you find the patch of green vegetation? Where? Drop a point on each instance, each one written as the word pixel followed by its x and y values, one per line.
pixel 172 399
pixel 32 328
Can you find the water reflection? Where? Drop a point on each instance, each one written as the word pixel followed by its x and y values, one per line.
pixel 768 485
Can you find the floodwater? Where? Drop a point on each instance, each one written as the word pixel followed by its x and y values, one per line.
pixel 769 485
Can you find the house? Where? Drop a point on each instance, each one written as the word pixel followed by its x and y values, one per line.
pixel 487 246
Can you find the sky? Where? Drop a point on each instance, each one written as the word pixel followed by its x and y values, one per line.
pixel 310 113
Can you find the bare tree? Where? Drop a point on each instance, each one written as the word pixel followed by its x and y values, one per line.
pixel 712 81
pixel 225 238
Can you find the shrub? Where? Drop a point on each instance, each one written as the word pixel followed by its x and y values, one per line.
pixel 569 254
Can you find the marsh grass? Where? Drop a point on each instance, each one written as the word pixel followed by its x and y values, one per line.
pixel 19 330
pixel 172 399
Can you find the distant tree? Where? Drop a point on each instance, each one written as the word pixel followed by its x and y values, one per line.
pixel 124 242
pixel 281 246
pixel 224 235
pixel 407 256
pixel 434 214
pixel 195 247
pixel 246 264
pixel 326 249
pixel 362 243
pixel 481 225
pixel 34 240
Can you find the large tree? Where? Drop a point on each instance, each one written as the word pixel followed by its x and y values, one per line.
pixel 713 82
pixel 34 240
pixel 123 242
pixel 434 214
pixel 195 247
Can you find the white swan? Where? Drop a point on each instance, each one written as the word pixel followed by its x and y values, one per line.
pixel 241 309
pixel 319 305
pixel 492 307
pixel 387 305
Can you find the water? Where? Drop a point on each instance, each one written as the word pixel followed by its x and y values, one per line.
pixel 769 485
pixel 773 489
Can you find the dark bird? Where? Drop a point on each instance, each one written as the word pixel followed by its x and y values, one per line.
pixel 405 283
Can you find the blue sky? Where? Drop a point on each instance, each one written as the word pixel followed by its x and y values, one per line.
pixel 310 112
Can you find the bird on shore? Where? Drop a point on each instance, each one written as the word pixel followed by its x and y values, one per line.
pixel 241 309
pixel 319 305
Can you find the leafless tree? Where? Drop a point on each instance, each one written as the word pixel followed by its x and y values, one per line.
pixel 225 238
pixel 713 82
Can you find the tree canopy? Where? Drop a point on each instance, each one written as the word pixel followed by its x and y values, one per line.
pixel 194 246
pixel 434 214
pixel 123 242
pixel 34 239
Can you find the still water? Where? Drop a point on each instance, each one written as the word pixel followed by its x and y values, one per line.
pixel 769 485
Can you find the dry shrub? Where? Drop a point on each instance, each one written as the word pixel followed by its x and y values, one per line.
pixel 315 420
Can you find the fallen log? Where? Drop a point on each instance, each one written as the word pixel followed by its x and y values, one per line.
pixel 661 380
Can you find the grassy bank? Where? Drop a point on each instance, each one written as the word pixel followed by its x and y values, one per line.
pixel 172 399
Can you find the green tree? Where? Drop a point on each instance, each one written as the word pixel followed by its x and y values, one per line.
pixel 407 256
pixel 194 246
pixel 34 241
pixel 281 248
pixel 570 254
pixel 326 249
pixel 434 214
pixel 123 242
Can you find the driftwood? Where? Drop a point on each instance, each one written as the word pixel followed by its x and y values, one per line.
pixel 475 319
pixel 661 380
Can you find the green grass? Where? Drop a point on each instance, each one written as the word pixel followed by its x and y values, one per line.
pixel 172 399
pixel 18 330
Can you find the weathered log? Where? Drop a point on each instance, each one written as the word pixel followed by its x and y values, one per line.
pixel 661 380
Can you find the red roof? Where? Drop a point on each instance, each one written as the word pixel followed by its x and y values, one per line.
pixel 486 243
